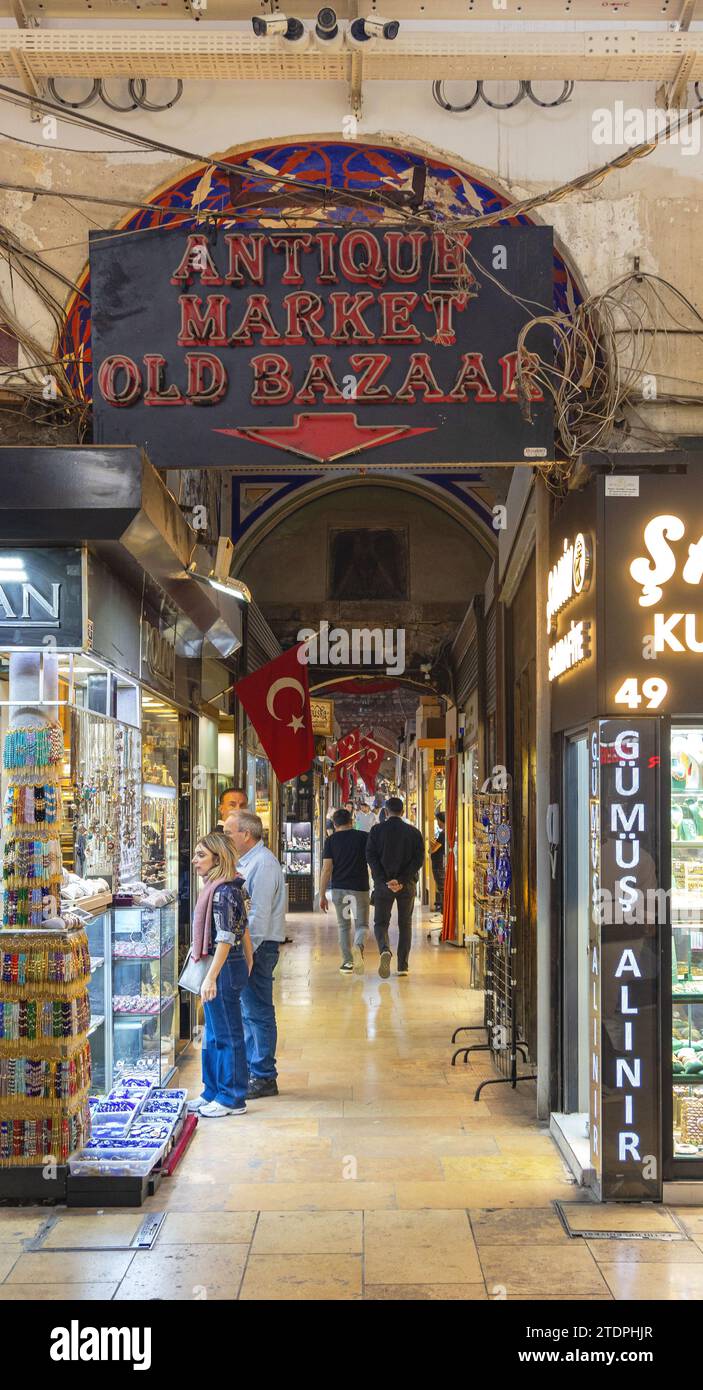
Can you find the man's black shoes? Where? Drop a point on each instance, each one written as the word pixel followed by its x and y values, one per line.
pixel 262 1086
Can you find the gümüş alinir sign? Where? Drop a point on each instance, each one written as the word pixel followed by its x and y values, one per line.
pixel 262 348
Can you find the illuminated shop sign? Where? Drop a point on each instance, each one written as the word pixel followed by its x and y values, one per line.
pixel 626 909
pixel 568 577
pixel 567 580
pixel 594 1127
pixel 669 632
pixel 653 557
pixel 570 650
pixel 260 348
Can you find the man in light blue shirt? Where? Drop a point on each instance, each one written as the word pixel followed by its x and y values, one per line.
pixel 266 887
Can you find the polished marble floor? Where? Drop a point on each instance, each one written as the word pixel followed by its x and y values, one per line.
pixel 373 1174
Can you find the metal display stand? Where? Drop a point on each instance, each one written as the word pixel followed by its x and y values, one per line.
pixel 495 922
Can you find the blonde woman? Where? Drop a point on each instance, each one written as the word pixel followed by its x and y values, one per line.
pixel 220 931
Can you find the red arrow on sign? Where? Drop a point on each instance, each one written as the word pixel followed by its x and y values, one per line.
pixel 325 438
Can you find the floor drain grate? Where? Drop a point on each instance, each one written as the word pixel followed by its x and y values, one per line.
pixel 142 1238
pixel 568 1211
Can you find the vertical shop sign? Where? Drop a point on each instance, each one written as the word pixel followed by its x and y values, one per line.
pixel 594 951
pixel 627 909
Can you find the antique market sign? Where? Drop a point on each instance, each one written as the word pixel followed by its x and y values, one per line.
pixel 386 346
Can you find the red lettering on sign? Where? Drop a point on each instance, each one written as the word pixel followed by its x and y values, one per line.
pixel 472 377
pixel 291 246
pixel 368 367
pixel 326 242
pixel 257 319
pixel 396 243
pixel 442 305
pixel 369 269
pixel 202 391
pixel 154 394
pixel 395 317
pixel 449 257
pixel 198 326
pixel 419 377
pixel 107 380
pixel 303 314
pixel 196 260
pixel 246 251
pixel 272 379
pixel 319 380
pixel 509 365
pixel 347 323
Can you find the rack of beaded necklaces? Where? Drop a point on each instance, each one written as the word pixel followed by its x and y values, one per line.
pixel 44 963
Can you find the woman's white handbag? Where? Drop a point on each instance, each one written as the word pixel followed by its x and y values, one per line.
pixel 194 972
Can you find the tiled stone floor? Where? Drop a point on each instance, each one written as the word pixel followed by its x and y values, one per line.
pixel 372 1175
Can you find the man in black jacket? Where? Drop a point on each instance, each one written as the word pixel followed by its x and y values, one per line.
pixel 395 851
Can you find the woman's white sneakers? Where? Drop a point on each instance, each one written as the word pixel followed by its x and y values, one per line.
pixel 194 1106
pixel 213 1111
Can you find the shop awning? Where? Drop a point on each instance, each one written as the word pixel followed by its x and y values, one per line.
pixel 112 498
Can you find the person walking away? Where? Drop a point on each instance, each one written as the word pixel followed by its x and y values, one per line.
pixel 232 799
pixel 437 851
pixel 344 866
pixel 395 851
pixel 265 884
pixel 220 932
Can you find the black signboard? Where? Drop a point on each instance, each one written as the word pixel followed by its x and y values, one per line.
pixel 387 346
pixel 653 601
pixel 628 640
pixel 627 910
pixel 41 598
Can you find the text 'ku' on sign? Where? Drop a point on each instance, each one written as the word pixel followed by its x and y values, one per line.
pixel 253 349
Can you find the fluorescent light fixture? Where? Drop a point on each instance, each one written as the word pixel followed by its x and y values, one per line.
pixel 11 562
pixel 235 587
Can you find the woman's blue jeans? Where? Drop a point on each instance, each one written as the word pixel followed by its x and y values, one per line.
pixel 224 1059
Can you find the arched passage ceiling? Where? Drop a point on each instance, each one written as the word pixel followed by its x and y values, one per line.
pixel 373 553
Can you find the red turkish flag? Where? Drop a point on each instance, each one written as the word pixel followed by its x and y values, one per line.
pixel 372 755
pixel 277 700
pixel 346 747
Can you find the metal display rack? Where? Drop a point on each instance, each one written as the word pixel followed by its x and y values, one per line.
pixel 496 923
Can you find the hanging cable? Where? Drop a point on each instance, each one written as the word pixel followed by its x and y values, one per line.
pixel 503 105
pixel 92 96
pixel 137 91
pixel 113 105
pixel 564 96
pixel 441 100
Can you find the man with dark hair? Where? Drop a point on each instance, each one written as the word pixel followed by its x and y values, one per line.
pixel 232 799
pixel 395 851
pixel 344 864
pixel 437 849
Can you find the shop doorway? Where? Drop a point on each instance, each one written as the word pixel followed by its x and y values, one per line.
pixel 575 1012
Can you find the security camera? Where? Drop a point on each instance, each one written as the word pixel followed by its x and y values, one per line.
pixel 327 33
pixel 278 26
pixel 373 27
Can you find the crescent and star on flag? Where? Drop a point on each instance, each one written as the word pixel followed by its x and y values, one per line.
pixel 284 683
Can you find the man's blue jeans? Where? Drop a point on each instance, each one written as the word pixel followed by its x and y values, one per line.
pixel 259 1015
pixel 223 1056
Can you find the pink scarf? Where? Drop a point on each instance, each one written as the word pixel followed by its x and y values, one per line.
pixel 202 918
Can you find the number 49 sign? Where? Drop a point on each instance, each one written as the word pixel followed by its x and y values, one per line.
pixel 650 696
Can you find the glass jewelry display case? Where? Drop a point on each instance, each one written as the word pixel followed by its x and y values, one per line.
pixel 144 992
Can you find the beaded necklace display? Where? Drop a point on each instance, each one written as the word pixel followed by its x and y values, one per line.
pixel 32 862
pixel 45 1064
